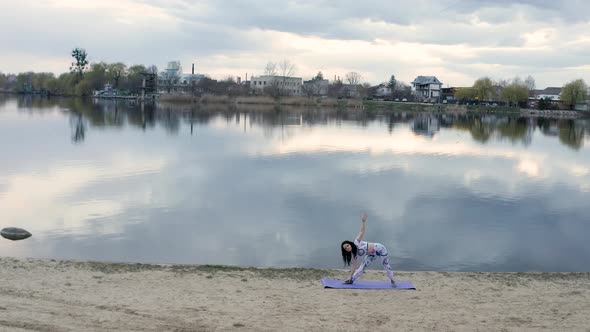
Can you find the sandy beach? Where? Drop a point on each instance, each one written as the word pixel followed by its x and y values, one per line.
pixel 48 295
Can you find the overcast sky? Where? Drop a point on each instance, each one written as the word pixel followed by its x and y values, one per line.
pixel 456 40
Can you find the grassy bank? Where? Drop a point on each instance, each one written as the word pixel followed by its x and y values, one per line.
pixel 263 100
pixel 427 107
pixel 355 104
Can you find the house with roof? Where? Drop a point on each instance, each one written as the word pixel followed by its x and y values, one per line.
pixel 553 93
pixel 381 91
pixel 427 88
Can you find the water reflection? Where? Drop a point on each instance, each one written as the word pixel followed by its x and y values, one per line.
pixel 482 128
pixel 283 187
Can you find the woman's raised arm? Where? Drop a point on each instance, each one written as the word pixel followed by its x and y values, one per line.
pixel 362 232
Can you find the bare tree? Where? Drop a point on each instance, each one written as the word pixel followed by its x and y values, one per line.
pixel 270 69
pixel 353 78
pixel 273 85
pixel 530 83
pixel 286 70
pixel 279 84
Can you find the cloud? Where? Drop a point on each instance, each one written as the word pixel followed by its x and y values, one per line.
pixel 454 40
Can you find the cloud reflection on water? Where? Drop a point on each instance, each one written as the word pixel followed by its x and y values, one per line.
pixel 243 189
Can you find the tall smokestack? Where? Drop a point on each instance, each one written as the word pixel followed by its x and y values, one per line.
pixel 193 72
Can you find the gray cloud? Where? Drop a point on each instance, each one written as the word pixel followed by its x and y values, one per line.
pixel 342 21
pixel 242 35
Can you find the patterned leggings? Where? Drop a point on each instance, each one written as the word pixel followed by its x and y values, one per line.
pixel 380 250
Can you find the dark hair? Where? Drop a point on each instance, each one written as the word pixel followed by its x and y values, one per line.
pixel 347 256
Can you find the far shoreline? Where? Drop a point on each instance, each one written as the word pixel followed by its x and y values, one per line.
pixel 266 103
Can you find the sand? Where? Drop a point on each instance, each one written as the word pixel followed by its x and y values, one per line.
pixel 48 295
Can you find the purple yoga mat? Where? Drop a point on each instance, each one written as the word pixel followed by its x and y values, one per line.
pixel 362 284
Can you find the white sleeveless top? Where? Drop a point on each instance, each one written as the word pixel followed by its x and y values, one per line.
pixel 361 247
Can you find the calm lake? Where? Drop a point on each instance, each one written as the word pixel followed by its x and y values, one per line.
pixel 257 186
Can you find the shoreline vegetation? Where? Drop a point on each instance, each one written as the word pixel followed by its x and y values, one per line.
pixel 365 105
pixel 53 295
pixel 275 104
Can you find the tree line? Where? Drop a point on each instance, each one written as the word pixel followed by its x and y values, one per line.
pixel 517 92
pixel 84 78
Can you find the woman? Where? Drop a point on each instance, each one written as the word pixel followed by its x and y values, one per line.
pixel 351 251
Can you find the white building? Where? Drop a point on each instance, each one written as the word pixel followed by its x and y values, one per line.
pixel 188 79
pixel 552 93
pixel 172 79
pixel 284 85
pixel 427 88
